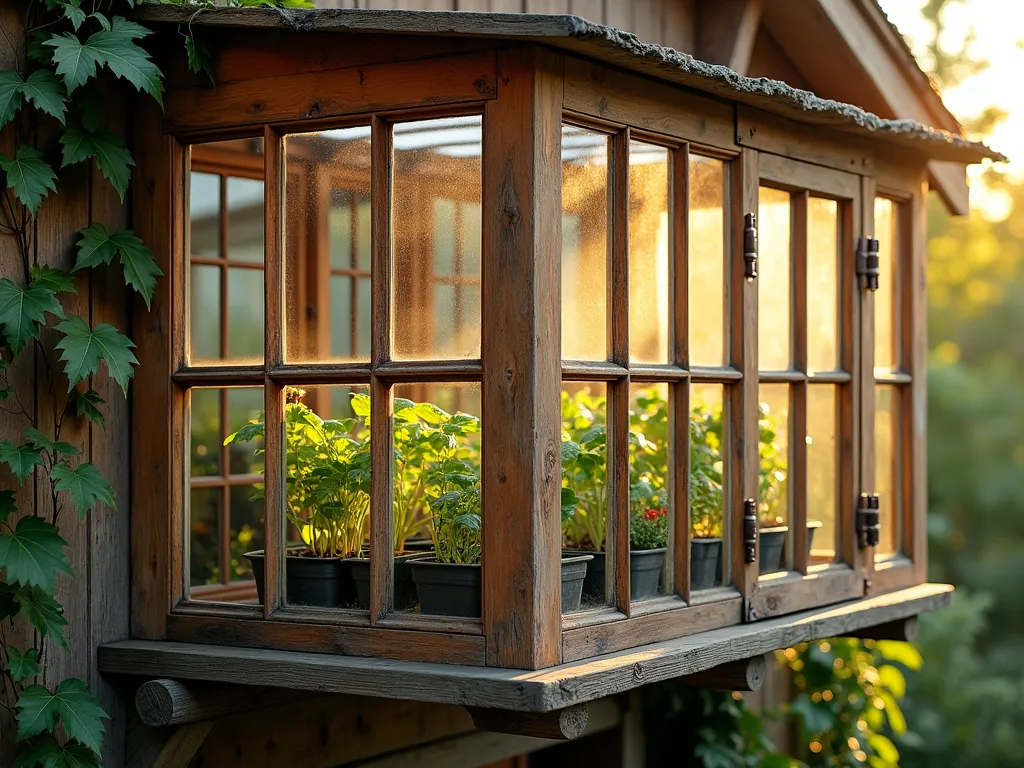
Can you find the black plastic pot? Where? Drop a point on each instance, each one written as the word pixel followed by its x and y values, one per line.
pixel 420 545
pixel 773 541
pixel 812 526
pixel 705 563
pixel 447 589
pixel 405 590
pixel 644 573
pixel 593 582
pixel 321 581
pixel 574 573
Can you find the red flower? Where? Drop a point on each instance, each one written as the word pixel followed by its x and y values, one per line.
pixel 651 514
pixel 663 512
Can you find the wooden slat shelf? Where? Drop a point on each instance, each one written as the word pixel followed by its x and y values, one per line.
pixel 541 691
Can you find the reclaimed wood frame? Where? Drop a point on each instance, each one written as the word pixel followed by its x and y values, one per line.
pixel 524 92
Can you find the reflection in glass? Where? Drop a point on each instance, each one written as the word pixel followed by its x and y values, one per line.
pixel 822 459
pixel 327 245
pixel 887 469
pixel 584 244
pixel 707 485
pixel 706 275
pixel 774 337
pixel 773 447
pixel 650 509
pixel 204 313
pixel 886 232
pixel 822 284
pixel 245 314
pixel 437 238
pixel 648 253
pixel 245 219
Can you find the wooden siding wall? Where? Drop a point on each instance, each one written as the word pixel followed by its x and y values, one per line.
pixel 666 22
pixel 96 601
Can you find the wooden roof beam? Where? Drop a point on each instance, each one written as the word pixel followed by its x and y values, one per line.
pixel 726 31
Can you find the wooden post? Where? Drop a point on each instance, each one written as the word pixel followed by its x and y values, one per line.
pixel 521 365
pixel 562 724
pixel 903 630
pixel 170 702
pixel 743 675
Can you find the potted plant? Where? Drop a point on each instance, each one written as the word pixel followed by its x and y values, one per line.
pixel 327 503
pixel 772 528
pixel 706 496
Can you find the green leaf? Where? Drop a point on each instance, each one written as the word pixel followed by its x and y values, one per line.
pixel 34 553
pixel 79 712
pixel 44 90
pixel 55 280
pixel 7 507
pixel 47 752
pixel 98 246
pixel 77 146
pixel 114 48
pixel 45 443
pixel 85 484
pixel 87 404
pixel 22 311
pixel 199 57
pixel 91 108
pixel 11 95
pixel 22 459
pixel 903 653
pixel 45 613
pixel 29 176
pixel 22 665
pixel 108 151
pixel 83 348
pixel 75 15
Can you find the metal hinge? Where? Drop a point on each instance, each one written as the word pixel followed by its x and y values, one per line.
pixel 867 263
pixel 868 524
pixel 750 531
pixel 750 247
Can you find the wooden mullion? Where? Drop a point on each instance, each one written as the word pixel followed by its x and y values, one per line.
pixel 679 237
pixel 798 392
pixel 679 485
pixel 858 405
pixel 915 340
pixel 224 518
pixel 222 246
pixel 273 393
pixel 679 392
pixel 382 556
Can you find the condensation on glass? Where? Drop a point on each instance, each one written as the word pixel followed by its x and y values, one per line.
pixel 774 321
pixel 225 252
pixel 708 486
pixel 585 229
pixel 651 508
pixel 327 245
pixel 706 261
pixel 822 284
pixel 225 519
pixel 649 279
pixel 887 469
pixel 436 237
pixel 822 473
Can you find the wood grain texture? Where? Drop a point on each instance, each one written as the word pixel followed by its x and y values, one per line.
pixel 726 31
pixel 902 630
pixel 561 724
pixel 787 593
pixel 742 675
pixel 778 136
pixel 814 178
pixel 525 691
pixel 172 702
pixel 522 370
pixel 182 746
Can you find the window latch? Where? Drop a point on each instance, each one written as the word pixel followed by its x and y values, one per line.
pixel 867 263
pixel 750 247
pixel 868 523
pixel 750 530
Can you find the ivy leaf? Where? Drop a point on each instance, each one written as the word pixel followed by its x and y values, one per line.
pixel 46 443
pixel 22 310
pixel 44 90
pixel 29 176
pixel 34 553
pixel 87 404
pixel 85 484
pixel 11 95
pixel 90 107
pixel 98 246
pixel 199 57
pixel 7 508
pixel 55 280
pixel 22 459
pixel 79 711
pixel 45 613
pixel 108 151
pixel 22 665
pixel 75 15
pixel 84 347
pixel 49 753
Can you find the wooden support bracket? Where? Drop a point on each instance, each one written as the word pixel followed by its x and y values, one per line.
pixel 742 675
pixel 561 724
pixel 170 702
pixel 904 630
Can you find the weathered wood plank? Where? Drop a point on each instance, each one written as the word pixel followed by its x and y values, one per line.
pixel 560 724
pixel 742 675
pixel 726 31
pixel 172 702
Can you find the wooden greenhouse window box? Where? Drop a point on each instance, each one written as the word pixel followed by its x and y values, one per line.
pixel 398 200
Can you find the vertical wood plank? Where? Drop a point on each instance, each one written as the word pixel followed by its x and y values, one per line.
pixel 617 14
pixel 743 396
pixel 591 10
pixel 546 6
pixel 915 340
pixel 679 26
pixel 863 395
pixel 522 362
pixel 679 393
pixel 798 408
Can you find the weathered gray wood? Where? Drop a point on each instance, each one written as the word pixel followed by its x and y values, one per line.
pixel 541 691
pixel 562 724
pixel 743 675
pixel 171 702
pixel 904 630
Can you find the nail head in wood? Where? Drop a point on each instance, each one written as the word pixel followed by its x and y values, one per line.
pixel 561 724
pixel 743 675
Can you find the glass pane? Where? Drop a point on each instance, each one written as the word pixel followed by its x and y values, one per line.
pixel 648 253
pixel 706 275
pixel 436 214
pixel 707 485
pixel 204 522
pixel 887 474
pixel 247 529
pixel 245 219
pixel 822 284
pixel 245 315
pixel 204 314
pixel 584 498
pixel 822 477
pixel 773 440
pixel 774 338
pixel 584 244
pixel 886 358
pixel 328 178
pixel 205 430
pixel 204 215
pixel 650 509
pixel 244 404
pixel 437 496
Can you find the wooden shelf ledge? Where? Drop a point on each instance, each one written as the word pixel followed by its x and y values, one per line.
pixel 517 690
